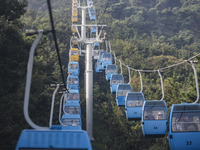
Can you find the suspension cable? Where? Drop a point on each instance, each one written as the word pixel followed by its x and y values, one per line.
pixel 55 40
pixel 164 68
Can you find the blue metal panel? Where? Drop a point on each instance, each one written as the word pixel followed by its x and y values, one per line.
pixel 152 127
pixel 73 86
pixel 72 128
pixel 96 44
pixel 133 112
pixel 120 100
pixel 184 141
pixel 48 139
pixel 113 88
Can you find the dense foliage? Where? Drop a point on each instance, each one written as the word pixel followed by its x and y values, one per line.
pixel 145 34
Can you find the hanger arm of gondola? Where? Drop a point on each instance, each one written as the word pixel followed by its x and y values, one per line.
pixel 30 32
pixel 52 105
pixel 28 82
pixel 61 106
pixel 115 58
pixel 129 74
pixel 196 80
pixel 121 66
pixel 141 83
pixel 162 86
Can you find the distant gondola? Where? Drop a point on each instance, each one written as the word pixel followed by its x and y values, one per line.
pixel 72 82
pixel 71 122
pixel 106 59
pixel 133 105
pixel 73 96
pixel 115 80
pixel 111 70
pixel 72 108
pixel 98 64
pixel 73 68
pixel 122 90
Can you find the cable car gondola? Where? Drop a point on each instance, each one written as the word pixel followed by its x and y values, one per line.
pixel 92 13
pixel 73 82
pixel 74 18
pixel 106 59
pixel 74 38
pixel 72 108
pixel 73 68
pixel 93 29
pixel 98 64
pixel 74 54
pixel 73 96
pixel 184 127
pixel 115 80
pixel 133 105
pixel 111 70
pixel 71 122
pixel 74 12
pixel 74 30
pixel 155 116
pixel 122 90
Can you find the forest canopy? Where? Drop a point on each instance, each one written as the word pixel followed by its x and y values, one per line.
pixel 145 34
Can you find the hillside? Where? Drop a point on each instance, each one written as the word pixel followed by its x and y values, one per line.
pixel 144 34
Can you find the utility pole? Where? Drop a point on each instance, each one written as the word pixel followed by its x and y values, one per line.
pixel 88 68
pixel 89 91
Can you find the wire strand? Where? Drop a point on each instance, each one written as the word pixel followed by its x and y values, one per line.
pixel 164 68
pixel 55 40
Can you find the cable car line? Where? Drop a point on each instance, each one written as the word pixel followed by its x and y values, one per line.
pixel 164 68
pixel 55 40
